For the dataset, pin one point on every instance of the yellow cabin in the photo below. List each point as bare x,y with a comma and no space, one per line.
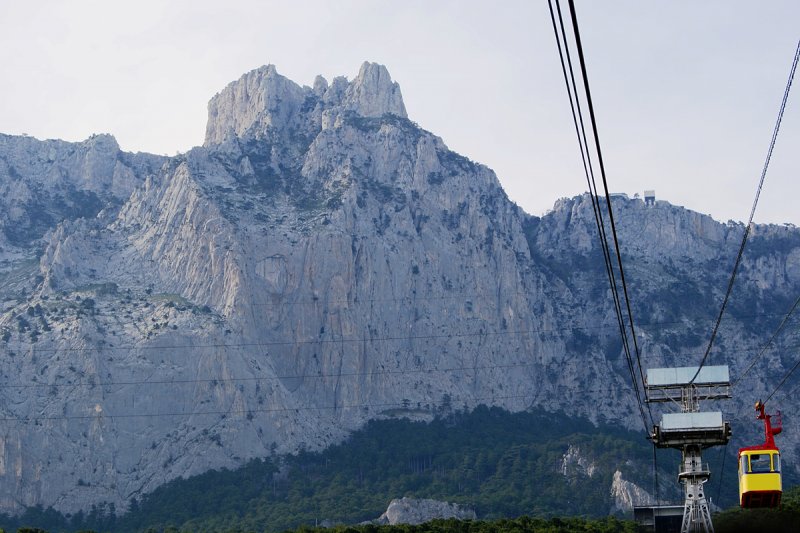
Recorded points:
759,478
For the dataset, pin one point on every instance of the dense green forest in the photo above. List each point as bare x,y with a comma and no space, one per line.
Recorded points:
503,465
522,524
514,525
782,520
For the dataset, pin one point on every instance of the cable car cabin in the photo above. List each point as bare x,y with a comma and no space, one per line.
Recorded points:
760,467
759,478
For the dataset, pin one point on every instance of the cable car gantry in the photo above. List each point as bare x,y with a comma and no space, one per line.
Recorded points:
691,430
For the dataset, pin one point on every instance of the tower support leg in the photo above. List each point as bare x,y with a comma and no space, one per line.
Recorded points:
696,514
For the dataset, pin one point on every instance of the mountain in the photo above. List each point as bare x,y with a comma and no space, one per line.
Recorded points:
322,261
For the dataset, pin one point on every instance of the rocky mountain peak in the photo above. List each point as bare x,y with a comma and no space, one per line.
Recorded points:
373,93
103,142
320,86
263,100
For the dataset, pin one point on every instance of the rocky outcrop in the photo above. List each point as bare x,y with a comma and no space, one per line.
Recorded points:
263,100
45,182
259,100
322,261
626,494
373,93
573,461
413,511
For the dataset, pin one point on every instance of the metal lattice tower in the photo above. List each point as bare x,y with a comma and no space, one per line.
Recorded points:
691,430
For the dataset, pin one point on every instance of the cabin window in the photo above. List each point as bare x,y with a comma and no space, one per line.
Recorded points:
759,463
776,462
743,464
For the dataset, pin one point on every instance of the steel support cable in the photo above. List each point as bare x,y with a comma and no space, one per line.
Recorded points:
310,375
752,212
319,375
768,343
598,214
721,473
577,117
656,492
605,187
421,336
242,411
785,377
285,377
590,179
610,388
582,138
580,131
114,313
353,303
790,394
583,143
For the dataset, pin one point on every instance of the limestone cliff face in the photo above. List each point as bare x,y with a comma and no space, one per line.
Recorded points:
625,495
44,182
321,261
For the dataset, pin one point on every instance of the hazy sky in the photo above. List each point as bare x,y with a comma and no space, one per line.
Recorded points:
686,92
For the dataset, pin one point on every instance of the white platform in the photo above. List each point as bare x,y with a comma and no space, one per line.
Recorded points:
680,376
708,420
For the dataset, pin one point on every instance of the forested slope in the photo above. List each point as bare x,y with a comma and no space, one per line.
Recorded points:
499,463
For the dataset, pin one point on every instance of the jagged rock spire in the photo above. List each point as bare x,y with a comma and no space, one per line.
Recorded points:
373,93
263,99
260,98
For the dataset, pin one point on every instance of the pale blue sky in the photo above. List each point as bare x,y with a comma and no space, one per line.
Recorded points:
686,92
